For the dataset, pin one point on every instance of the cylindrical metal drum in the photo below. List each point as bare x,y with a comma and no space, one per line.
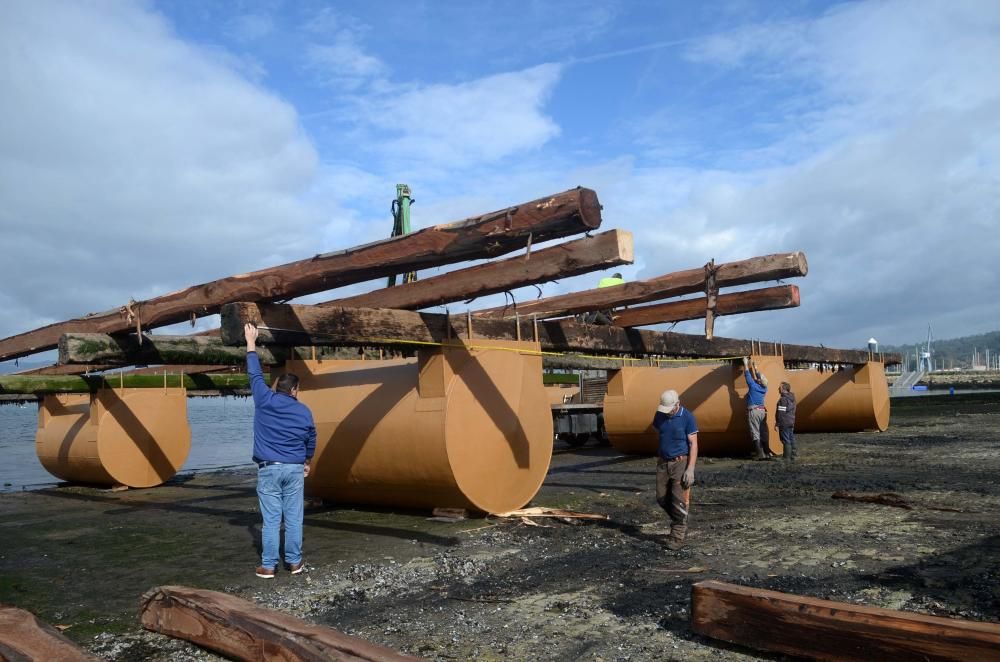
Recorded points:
137,437
453,428
715,394
849,400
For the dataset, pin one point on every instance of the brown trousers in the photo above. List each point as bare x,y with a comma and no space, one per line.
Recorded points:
671,495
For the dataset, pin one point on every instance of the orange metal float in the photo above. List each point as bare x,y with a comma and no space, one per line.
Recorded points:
455,427
849,400
715,394
137,437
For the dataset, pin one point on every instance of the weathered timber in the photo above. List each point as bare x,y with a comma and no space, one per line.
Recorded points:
241,630
730,274
24,637
767,298
77,369
289,324
89,348
572,258
180,352
234,383
119,351
827,630
567,213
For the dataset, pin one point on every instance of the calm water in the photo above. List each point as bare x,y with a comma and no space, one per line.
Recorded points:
221,436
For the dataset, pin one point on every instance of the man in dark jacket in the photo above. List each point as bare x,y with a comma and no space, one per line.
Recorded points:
284,440
786,420
678,455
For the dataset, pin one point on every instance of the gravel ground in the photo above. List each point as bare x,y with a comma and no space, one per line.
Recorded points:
542,589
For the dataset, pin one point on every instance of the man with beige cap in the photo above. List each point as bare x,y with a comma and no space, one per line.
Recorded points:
678,455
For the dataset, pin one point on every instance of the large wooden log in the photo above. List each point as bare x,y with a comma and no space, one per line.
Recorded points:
241,630
572,258
767,298
730,274
24,637
226,383
567,213
119,351
827,630
289,324
92,348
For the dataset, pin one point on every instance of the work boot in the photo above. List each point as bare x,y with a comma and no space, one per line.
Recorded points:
296,568
676,539
265,573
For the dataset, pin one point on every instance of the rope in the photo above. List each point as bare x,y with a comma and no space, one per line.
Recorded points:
516,350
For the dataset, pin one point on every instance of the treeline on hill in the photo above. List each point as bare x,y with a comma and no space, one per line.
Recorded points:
954,352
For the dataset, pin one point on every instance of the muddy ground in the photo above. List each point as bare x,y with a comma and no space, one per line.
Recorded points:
501,589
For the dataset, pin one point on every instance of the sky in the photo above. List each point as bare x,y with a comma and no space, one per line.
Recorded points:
149,146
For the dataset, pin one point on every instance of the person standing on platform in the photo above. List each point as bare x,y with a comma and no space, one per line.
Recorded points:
756,410
785,421
284,440
677,456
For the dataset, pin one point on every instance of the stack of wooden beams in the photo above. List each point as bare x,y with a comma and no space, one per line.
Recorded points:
388,317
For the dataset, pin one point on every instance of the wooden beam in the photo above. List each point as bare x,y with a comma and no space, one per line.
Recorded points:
567,213
767,298
242,630
572,258
730,274
827,630
180,351
41,384
24,637
58,369
119,351
288,324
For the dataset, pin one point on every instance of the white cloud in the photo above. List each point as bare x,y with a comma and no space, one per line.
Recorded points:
132,164
892,182
467,123
342,63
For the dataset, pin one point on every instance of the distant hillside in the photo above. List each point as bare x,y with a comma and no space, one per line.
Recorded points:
956,352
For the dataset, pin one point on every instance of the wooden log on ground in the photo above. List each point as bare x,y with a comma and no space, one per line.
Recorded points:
767,298
226,383
572,258
679,283
24,637
827,630
567,213
242,630
289,324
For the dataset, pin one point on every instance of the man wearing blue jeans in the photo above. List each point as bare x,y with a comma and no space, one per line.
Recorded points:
284,440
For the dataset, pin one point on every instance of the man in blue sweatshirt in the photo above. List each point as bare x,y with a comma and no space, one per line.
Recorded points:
756,411
678,454
284,440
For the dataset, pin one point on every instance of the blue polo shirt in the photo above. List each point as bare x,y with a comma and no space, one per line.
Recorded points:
674,431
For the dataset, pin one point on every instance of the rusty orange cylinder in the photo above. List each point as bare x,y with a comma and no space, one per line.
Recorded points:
715,394
136,437
850,400
455,427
